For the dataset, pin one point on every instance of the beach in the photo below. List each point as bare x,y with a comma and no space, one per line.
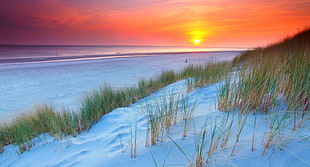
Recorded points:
29,80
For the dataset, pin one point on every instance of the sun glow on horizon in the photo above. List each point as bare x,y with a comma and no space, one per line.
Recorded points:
197,36
197,41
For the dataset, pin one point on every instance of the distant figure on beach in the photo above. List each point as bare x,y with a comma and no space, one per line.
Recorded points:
186,61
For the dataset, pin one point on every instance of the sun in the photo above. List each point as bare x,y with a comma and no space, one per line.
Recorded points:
197,36
196,41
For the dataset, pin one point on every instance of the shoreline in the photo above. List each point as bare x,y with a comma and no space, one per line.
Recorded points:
22,60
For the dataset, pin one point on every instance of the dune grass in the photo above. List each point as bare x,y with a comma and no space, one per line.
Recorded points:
199,147
46,120
187,112
206,74
166,111
281,69
277,75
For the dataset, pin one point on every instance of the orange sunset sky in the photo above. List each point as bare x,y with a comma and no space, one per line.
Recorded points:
209,23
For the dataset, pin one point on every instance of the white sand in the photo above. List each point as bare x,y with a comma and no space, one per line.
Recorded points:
102,145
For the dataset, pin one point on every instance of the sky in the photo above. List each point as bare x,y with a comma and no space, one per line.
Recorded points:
206,23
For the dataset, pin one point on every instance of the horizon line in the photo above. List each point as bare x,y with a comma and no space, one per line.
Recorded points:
86,45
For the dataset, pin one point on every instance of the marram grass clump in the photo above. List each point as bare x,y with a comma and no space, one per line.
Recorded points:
275,81
45,120
280,70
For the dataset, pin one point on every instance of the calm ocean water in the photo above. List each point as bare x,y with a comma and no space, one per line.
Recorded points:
38,53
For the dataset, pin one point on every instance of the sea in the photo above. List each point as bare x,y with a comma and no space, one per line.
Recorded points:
52,53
